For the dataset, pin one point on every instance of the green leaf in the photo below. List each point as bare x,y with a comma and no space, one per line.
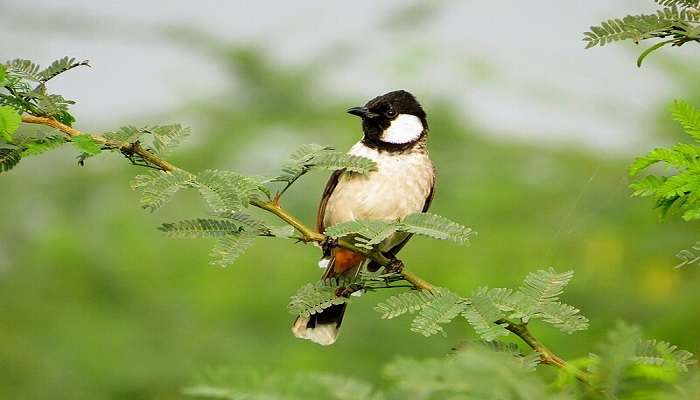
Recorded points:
442,310
371,232
166,138
227,191
540,289
53,104
691,214
39,146
564,317
436,227
159,187
3,75
60,66
9,157
24,69
545,286
678,3
313,298
86,144
332,161
248,221
198,228
299,162
653,352
407,303
313,156
648,186
10,121
230,247
65,118
482,314
680,156
472,373
125,135
687,116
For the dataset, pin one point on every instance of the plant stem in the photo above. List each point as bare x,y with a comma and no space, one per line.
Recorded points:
310,235
130,148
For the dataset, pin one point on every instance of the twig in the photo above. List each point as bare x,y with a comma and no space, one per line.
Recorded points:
130,148
309,235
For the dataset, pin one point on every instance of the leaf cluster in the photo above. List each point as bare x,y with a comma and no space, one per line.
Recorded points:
23,89
678,22
369,233
628,367
489,311
679,189
313,156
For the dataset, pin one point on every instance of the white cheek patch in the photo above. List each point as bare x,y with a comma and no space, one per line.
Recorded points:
404,129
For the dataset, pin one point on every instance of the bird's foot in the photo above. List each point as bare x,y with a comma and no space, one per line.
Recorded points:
394,267
328,244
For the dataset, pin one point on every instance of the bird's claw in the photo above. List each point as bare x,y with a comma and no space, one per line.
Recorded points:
394,267
328,244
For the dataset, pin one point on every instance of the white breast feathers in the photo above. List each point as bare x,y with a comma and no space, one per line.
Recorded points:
399,186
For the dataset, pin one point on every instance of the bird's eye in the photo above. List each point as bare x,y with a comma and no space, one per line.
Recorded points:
390,112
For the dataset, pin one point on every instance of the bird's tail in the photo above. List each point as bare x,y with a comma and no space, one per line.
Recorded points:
322,328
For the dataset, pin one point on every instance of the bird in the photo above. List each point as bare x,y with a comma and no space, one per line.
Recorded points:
395,130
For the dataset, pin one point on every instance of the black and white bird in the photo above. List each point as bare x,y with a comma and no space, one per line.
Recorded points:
395,133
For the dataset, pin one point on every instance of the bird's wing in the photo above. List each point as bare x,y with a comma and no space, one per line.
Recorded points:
429,200
330,186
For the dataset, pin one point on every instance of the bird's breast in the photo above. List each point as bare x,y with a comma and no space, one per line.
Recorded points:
398,187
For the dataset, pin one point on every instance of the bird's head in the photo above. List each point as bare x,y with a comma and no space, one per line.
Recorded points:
393,121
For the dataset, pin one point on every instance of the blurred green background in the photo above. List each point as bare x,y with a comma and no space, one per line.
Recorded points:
96,304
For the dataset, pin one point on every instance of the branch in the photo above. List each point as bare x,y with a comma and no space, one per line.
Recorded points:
309,235
127,149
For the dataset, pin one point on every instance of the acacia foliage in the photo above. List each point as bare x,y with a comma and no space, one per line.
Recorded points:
677,22
678,187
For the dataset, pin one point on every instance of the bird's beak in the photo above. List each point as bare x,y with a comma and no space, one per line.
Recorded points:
363,112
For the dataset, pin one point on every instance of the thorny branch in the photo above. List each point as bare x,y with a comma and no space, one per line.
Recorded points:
309,235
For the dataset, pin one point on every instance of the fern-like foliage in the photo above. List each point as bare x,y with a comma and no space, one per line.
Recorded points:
9,158
313,298
485,316
474,372
24,69
230,384
230,247
490,311
680,191
660,353
60,66
39,146
369,233
313,156
167,137
677,23
528,361
157,188
331,160
124,135
442,310
434,308
227,191
198,228
679,3
407,303
435,226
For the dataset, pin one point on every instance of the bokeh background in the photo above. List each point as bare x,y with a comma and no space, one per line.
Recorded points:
530,132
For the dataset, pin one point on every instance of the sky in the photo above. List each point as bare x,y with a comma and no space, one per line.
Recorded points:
517,68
